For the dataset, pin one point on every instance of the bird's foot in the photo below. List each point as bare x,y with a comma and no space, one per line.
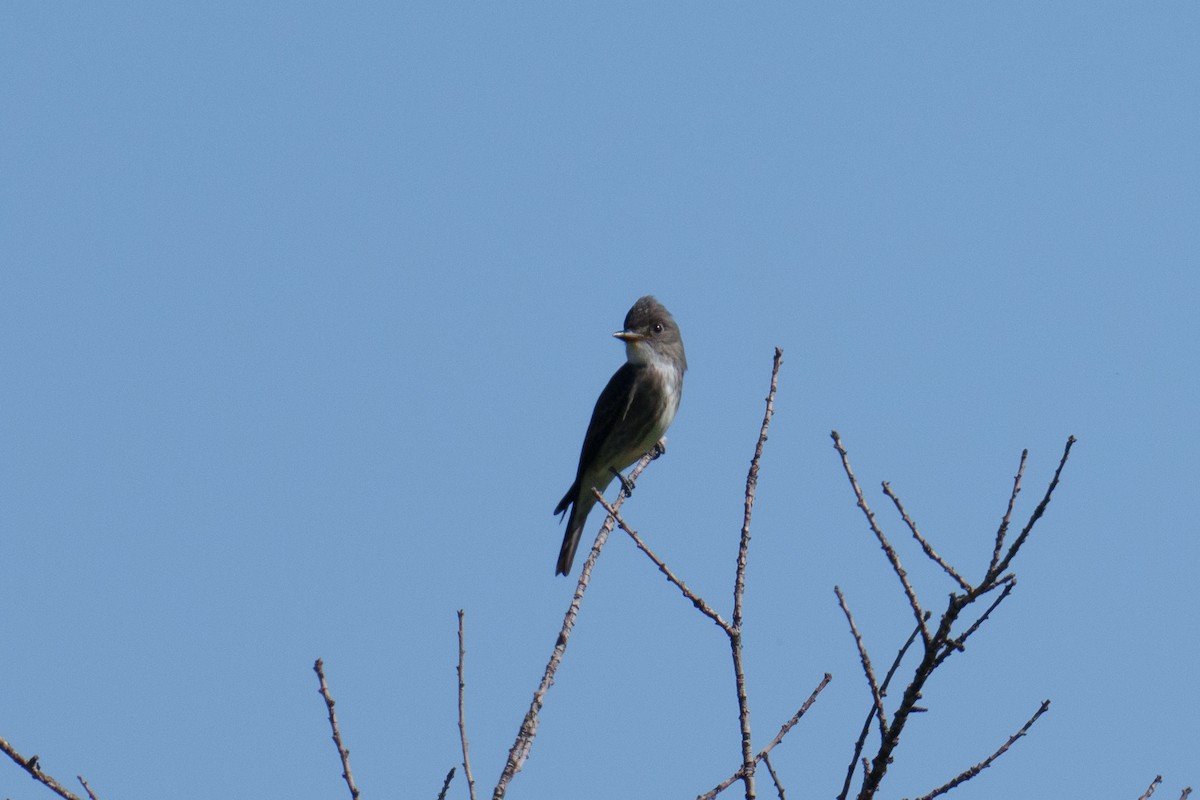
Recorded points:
659,449
626,484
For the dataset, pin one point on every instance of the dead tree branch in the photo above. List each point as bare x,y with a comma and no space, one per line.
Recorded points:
732,630
519,752
1007,519
697,601
967,774
928,548
888,550
1002,566
774,777
33,767
462,714
783,731
940,643
86,788
876,693
446,784
866,727
343,753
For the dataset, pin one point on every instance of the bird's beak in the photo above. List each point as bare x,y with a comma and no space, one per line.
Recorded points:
629,336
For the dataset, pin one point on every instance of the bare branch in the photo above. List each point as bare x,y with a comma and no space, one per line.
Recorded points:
883,542
866,727
787,726
791,723
343,753
87,788
32,766
697,601
887,680
774,777
912,694
462,715
446,784
722,786
959,643
938,643
966,775
1037,513
1004,523
521,747
739,586
1154,784
876,695
1150,789
928,548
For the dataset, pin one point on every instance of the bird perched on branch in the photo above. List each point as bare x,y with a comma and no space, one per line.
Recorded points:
633,412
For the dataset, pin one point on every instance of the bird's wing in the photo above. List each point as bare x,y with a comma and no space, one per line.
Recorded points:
611,407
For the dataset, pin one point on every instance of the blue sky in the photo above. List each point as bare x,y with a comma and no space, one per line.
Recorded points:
304,308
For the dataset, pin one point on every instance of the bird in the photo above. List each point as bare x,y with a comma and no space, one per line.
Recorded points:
631,415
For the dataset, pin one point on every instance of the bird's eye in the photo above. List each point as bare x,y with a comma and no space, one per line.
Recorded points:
657,327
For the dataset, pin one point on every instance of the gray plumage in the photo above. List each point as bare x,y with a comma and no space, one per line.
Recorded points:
633,412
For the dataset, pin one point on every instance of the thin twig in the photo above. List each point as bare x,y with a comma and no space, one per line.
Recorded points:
446,784
939,644
791,723
783,731
908,702
1002,565
959,642
1004,523
876,695
774,777
966,775
866,727
912,694
343,753
519,752
1184,795
739,586
462,714
697,601
87,788
887,679
31,765
883,542
1150,789
928,548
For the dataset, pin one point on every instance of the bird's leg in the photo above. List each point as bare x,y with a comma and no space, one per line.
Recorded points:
660,447
626,484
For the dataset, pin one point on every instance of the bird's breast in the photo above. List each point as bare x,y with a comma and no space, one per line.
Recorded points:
672,383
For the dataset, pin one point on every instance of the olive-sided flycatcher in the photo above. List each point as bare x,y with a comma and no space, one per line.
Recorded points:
633,412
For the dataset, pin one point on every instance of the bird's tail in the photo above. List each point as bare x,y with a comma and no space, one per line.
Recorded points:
581,505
